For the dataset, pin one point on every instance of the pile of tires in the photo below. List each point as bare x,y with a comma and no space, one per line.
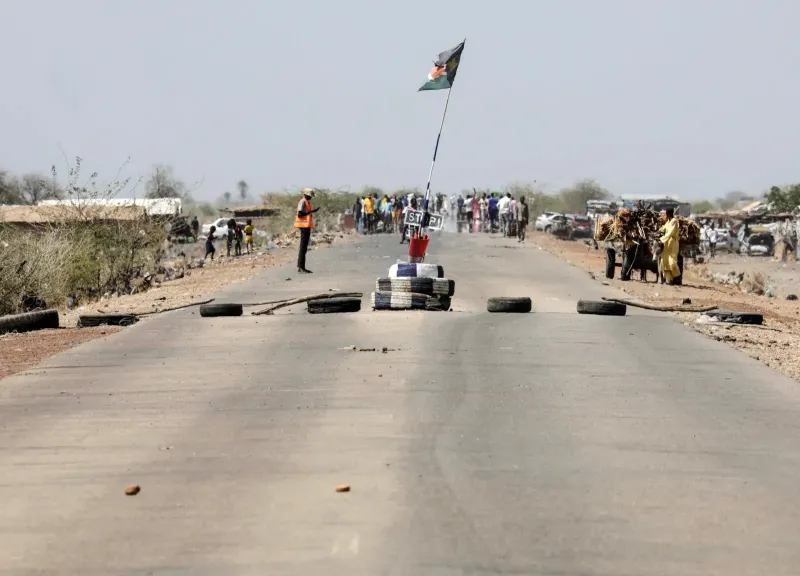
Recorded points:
414,286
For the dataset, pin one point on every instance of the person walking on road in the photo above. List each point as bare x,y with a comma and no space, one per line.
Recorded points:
522,219
504,207
369,213
493,212
670,241
304,221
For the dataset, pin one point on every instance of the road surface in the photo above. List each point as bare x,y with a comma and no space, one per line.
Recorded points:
539,444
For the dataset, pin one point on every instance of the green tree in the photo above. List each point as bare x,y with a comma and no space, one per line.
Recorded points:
785,199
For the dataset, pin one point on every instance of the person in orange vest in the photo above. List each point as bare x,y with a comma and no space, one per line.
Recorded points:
305,222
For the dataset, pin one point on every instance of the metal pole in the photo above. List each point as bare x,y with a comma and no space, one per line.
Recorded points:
433,163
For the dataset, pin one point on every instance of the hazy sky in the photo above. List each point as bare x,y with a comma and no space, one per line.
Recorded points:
685,97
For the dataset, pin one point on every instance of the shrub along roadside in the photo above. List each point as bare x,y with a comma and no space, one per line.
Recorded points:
82,259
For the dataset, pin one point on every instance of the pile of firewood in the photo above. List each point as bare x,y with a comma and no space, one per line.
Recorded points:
604,229
641,226
688,231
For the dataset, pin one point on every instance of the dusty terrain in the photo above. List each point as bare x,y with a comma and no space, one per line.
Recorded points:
19,352
775,343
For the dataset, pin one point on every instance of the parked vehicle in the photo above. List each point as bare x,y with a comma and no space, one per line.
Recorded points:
582,226
543,223
222,227
759,244
561,226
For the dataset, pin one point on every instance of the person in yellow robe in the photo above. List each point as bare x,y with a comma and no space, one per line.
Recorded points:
670,242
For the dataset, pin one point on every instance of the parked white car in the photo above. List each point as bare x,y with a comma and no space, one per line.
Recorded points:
544,222
222,227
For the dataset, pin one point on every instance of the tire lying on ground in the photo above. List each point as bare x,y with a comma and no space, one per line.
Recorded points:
430,286
89,320
400,301
520,305
334,305
601,308
736,317
438,303
29,321
220,309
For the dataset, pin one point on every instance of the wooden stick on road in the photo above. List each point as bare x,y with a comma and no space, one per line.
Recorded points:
324,296
660,308
171,309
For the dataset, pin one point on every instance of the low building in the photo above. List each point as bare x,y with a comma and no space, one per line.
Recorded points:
49,215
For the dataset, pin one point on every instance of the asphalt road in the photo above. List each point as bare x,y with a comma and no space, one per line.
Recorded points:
546,443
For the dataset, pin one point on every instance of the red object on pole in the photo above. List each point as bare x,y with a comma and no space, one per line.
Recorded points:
417,247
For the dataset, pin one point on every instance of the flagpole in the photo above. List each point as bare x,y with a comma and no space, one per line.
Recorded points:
435,152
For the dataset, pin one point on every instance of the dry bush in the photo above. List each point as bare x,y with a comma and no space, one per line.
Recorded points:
85,249
37,266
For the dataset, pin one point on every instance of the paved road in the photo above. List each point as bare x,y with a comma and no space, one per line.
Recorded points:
547,443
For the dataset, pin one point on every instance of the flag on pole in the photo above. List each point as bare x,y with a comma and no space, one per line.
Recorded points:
444,70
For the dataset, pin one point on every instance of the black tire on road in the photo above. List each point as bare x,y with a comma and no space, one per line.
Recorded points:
611,263
334,305
601,308
220,309
29,321
519,305
89,320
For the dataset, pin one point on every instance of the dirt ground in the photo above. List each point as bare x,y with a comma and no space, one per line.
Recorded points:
19,352
775,343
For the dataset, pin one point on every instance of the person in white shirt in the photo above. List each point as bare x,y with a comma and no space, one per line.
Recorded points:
712,241
504,207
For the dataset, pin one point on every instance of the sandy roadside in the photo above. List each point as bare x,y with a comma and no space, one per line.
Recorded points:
775,343
19,352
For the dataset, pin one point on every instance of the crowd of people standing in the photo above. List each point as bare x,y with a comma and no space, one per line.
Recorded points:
493,212
374,214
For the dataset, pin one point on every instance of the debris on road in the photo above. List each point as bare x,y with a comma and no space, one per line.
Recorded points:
659,308
353,348
343,488
736,317
294,301
173,308
133,490
91,320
